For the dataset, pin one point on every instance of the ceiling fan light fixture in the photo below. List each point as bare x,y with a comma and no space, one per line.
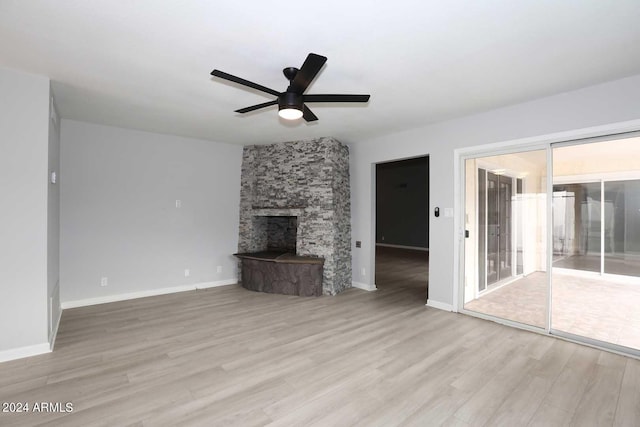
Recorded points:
290,106
290,113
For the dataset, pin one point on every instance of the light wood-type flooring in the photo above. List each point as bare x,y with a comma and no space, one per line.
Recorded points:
230,357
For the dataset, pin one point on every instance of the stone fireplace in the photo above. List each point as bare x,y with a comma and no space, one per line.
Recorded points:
295,198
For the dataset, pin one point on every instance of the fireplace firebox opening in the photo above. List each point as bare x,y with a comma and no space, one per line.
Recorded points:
278,233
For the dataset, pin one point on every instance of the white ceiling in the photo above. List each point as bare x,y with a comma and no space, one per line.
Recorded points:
145,64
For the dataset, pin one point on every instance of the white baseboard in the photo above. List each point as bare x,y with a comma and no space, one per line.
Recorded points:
143,294
439,305
54,334
415,248
20,352
364,286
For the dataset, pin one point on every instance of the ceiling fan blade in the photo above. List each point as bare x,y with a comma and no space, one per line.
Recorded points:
308,115
336,98
231,78
257,107
307,73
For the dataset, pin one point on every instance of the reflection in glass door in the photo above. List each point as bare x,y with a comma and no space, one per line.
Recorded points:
498,227
622,228
577,226
596,242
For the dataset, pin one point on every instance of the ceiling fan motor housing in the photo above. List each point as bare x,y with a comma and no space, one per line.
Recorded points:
290,73
290,100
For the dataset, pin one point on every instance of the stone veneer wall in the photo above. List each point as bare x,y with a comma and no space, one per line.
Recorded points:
307,179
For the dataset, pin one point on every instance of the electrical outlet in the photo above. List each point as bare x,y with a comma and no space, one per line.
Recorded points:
363,272
178,204
219,269
186,272
104,281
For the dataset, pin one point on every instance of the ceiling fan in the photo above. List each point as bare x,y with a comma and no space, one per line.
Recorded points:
291,103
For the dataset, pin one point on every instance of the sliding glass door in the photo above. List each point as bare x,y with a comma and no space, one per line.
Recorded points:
558,253
596,242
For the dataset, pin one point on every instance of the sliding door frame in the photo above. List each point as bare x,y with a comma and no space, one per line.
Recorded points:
546,142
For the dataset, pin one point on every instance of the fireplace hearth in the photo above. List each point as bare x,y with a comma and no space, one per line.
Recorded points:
281,273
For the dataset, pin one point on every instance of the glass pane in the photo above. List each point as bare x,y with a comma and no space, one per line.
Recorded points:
597,224
505,251
576,226
622,228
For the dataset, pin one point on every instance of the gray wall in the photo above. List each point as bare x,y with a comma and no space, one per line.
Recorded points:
402,203
606,107
24,118
118,211
53,222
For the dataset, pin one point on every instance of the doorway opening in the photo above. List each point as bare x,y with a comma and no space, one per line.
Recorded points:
402,226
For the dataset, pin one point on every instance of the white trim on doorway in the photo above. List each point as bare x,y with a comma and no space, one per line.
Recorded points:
439,305
364,286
